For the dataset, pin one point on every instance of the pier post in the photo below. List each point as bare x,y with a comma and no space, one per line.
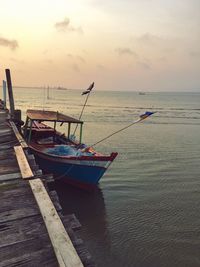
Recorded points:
10,93
4,93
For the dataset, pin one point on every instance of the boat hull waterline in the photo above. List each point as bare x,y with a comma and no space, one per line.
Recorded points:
84,172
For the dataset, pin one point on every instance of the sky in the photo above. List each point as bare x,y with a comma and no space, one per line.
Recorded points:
138,45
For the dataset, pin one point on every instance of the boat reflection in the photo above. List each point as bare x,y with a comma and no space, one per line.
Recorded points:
89,208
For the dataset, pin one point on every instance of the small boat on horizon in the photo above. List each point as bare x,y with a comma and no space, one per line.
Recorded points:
69,160
61,88
142,93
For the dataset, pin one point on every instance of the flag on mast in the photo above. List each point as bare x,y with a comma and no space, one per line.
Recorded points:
146,114
88,90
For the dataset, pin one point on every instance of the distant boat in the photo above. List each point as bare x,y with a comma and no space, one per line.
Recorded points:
69,160
61,88
142,93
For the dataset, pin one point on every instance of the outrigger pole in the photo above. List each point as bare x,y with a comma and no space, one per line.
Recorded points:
142,117
86,92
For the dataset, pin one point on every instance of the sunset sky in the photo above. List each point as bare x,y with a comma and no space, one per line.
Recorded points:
139,45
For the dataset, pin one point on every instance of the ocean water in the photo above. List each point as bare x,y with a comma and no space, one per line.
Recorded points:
146,212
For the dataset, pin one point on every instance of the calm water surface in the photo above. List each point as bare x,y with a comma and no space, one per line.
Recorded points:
146,212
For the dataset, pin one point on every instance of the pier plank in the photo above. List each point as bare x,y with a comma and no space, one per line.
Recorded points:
41,257
10,176
18,135
8,139
11,161
5,131
4,156
64,250
71,221
23,163
8,169
7,146
25,228
16,202
7,152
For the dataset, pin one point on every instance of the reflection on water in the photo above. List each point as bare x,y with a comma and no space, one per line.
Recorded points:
90,210
86,205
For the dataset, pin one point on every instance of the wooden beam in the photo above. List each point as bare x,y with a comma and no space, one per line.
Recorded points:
4,93
10,92
23,163
18,135
63,247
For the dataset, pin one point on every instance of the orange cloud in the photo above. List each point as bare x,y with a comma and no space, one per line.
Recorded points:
125,51
12,44
64,26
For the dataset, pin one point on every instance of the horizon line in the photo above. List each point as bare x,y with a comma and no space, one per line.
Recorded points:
79,89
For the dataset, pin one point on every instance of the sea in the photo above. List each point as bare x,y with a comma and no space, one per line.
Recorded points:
146,210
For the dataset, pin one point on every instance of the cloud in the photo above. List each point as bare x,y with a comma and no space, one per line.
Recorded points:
125,51
12,44
65,26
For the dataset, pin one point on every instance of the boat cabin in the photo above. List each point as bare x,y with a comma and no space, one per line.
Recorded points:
35,128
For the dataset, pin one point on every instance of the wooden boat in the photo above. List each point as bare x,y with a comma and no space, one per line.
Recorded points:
72,161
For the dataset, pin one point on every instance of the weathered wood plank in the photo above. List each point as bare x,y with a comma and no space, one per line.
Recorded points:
71,221
8,138
17,201
38,172
4,156
6,146
29,252
16,212
29,156
10,176
47,179
26,228
3,125
23,163
18,135
5,131
8,169
6,152
3,118
63,247
8,161
54,198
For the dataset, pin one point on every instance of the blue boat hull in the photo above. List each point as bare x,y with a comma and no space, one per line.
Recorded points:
83,176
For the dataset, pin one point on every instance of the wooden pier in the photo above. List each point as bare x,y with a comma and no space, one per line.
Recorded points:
33,231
